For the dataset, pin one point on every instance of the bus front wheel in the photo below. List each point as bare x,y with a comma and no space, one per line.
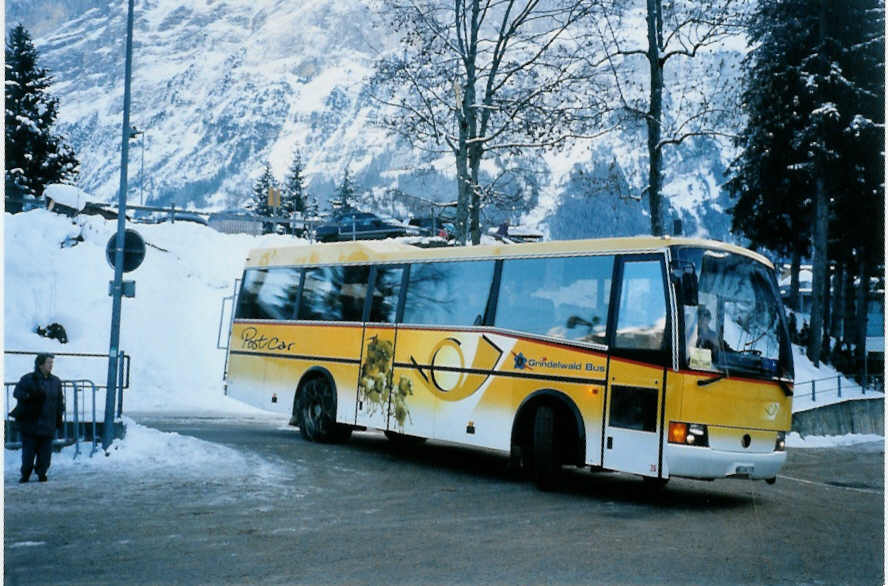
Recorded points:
546,466
317,410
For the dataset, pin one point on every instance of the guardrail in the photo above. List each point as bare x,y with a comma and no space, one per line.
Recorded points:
834,385
71,434
123,375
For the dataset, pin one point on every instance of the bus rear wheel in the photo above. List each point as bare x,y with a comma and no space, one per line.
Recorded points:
546,463
317,413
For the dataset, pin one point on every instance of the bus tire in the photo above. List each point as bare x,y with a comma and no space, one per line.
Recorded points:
546,465
317,413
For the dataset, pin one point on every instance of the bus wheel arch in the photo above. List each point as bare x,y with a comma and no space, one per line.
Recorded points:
315,405
567,424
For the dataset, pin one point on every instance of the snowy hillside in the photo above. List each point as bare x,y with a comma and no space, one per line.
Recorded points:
221,87
169,328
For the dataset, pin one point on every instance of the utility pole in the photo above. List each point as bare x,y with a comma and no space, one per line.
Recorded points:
117,288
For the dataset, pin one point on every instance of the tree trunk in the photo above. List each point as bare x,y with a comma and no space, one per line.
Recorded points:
795,269
819,280
462,201
838,302
820,231
475,165
848,329
468,130
861,307
655,114
827,301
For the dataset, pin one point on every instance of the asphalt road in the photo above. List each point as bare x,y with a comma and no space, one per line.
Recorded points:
366,512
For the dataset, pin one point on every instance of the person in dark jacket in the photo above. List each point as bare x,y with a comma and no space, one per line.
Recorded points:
41,406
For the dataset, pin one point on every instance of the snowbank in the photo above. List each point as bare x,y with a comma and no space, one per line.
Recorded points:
169,328
826,386
67,195
794,440
152,454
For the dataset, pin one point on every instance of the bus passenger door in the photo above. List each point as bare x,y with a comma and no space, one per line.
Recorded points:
376,384
640,351
375,376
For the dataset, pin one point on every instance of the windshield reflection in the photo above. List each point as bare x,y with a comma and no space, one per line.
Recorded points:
738,323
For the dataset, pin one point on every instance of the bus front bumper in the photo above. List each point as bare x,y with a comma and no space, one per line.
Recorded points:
706,463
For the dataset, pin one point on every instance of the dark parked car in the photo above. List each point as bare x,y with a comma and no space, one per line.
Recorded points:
360,226
434,227
177,216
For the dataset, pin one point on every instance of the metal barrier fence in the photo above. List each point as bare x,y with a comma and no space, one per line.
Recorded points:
834,385
123,375
71,434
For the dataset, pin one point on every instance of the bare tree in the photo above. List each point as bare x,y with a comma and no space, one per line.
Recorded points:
482,76
677,30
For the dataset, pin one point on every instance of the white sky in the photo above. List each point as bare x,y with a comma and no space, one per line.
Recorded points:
169,329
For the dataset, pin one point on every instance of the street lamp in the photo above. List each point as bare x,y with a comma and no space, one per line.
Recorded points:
117,286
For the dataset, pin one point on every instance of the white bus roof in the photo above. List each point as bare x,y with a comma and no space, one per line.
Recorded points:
393,251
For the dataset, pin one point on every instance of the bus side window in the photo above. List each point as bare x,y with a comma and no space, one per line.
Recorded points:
386,290
318,301
452,293
352,290
641,323
269,294
559,297
334,293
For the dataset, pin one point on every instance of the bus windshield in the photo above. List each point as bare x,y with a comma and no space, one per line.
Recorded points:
737,325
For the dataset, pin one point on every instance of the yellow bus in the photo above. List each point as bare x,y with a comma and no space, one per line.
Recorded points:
659,357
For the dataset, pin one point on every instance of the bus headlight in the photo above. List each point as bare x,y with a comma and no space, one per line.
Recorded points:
689,434
780,445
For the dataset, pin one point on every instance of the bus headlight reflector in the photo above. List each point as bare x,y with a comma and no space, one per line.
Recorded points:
678,432
690,434
780,446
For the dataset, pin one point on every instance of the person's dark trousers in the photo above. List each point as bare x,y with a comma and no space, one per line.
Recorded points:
39,446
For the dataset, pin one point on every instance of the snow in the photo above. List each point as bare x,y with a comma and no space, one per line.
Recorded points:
794,440
169,329
67,195
152,453
826,386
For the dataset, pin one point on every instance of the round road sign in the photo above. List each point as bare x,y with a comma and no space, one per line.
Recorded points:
133,250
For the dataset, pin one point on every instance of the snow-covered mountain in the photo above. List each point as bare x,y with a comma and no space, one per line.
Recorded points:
222,86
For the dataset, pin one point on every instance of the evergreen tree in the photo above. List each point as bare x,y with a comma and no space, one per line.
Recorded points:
35,156
293,192
773,207
813,147
346,192
258,201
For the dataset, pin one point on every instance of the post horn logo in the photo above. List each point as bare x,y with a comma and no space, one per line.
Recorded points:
447,375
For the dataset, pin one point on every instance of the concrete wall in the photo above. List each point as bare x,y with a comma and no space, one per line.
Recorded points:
863,416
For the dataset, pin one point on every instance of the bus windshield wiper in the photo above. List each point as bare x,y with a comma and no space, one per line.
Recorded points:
785,386
715,379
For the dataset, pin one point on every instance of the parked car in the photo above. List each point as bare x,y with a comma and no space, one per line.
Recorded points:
429,226
177,216
360,226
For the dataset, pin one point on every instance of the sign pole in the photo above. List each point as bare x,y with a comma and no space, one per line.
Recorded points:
114,345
